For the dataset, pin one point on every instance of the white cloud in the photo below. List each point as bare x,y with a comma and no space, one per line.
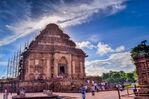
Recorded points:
118,59
103,49
120,48
85,44
65,15
116,62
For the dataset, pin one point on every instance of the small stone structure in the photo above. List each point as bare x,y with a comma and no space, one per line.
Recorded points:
142,67
140,55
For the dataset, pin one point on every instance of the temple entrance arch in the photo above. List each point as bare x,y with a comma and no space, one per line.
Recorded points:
63,67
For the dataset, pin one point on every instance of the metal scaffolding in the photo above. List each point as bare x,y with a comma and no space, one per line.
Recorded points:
15,64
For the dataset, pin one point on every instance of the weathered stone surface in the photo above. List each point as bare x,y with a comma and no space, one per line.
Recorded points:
36,97
52,54
141,97
51,61
142,68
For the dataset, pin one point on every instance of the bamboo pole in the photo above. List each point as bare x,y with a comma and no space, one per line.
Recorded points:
8,68
13,66
16,65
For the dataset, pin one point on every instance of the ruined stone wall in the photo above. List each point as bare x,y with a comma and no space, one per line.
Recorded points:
38,65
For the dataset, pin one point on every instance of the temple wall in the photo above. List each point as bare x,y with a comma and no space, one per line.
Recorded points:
78,66
48,71
45,56
142,67
57,58
38,64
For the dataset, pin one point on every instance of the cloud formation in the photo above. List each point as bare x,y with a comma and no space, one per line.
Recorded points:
101,48
115,62
63,13
120,49
85,44
118,59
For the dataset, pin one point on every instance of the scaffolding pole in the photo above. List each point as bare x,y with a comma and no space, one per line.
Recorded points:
17,61
8,68
13,66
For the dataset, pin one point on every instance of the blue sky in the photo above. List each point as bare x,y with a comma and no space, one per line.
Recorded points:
105,29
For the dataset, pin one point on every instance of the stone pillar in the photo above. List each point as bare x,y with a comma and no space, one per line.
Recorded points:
73,64
55,66
69,65
73,68
142,68
81,68
52,64
48,74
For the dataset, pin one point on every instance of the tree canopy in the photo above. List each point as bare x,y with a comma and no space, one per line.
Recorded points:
119,77
140,50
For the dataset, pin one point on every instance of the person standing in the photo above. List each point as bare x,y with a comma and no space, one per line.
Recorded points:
5,94
134,87
83,91
93,90
22,92
85,87
18,92
103,86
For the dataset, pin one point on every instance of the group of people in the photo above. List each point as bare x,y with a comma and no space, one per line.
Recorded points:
93,87
100,86
20,92
83,90
90,86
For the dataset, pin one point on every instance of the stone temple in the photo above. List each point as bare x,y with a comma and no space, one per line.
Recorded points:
52,54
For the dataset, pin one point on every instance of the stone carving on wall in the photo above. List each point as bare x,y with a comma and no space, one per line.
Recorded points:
51,54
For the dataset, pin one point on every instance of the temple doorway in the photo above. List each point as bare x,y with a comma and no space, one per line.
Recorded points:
62,67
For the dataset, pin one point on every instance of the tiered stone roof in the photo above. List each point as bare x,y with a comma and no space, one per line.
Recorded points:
53,39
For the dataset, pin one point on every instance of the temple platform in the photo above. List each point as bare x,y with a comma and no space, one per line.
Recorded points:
141,97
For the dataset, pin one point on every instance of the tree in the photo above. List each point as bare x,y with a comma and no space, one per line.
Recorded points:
130,77
140,50
118,77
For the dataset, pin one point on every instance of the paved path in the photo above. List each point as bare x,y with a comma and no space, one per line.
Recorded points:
99,95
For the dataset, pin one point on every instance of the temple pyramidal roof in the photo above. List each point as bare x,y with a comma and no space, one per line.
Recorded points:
52,39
